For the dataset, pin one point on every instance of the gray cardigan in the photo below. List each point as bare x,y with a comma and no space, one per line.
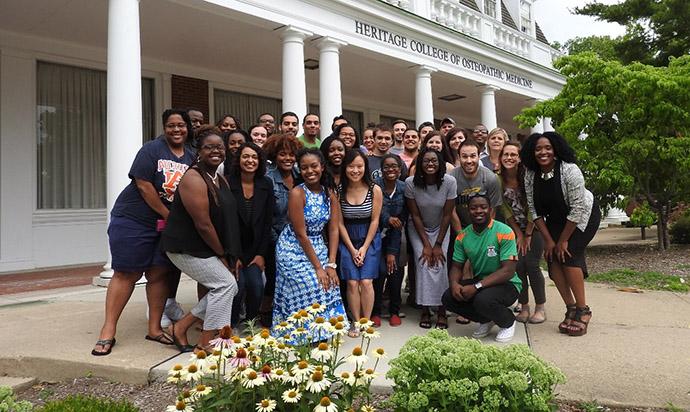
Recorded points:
578,199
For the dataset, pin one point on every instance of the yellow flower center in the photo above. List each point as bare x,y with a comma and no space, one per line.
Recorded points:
320,320
363,321
265,334
279,372
266,369
201,354
241,353
340,318
180,405
332,321
357,351
281,346
178,367
339,326
292,394
325,401
370,331
217,352
249,338
283,324
345,375
323,346
192,368
252,375
380,351
369,371
303,313
315,306
317,376
303,365
200,388
213,367
186,394
236,339
265,403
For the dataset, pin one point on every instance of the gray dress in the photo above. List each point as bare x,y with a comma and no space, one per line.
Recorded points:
432,282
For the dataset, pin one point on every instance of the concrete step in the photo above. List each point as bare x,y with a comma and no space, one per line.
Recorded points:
17,384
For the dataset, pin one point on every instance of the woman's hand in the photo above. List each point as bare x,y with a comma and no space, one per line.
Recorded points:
438,255
390,264
238,267
549,249
561,250
427,256
332,277
361,254
395,223
322,278
520,240
259,261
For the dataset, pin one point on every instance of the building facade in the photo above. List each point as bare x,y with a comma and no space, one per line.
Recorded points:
83,83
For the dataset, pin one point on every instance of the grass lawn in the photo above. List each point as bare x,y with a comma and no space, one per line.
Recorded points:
642,280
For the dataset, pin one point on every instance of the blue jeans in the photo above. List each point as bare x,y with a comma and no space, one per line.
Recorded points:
251,291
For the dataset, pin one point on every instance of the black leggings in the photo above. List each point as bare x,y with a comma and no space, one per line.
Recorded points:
528,268
489,304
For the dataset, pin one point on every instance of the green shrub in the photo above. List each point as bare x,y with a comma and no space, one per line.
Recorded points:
9,404
81,403
444,373
680,230
642,217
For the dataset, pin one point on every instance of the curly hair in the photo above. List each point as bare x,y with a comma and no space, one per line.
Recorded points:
236,170
418,179
561,150
277,143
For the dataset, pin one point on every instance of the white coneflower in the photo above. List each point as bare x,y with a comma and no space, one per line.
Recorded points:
380,353
260,338
200,359
316,308
371,333
200,390
322,353
357,357
348,378
174,378
339,329
302,368
320,325
176,373
325,405
364,324
282,375
367,408
266,405
252,379
179,406
369,375
317,382
291,396
193,373
283,348
282,327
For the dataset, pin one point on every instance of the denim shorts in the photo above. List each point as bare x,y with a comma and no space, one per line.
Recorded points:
134,247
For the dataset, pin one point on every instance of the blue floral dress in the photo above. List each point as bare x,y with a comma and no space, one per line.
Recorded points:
296,284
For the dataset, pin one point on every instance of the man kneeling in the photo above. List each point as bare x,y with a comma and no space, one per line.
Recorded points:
492,252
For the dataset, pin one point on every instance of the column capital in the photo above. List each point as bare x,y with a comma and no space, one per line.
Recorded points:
423,70
327,43
292,33
488,88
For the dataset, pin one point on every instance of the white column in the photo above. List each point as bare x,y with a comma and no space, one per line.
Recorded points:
294,85
489,106
539,127
547,125
424,100
124,98
330,97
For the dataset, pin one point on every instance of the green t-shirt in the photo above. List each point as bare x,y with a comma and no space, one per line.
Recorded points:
315,145
486,250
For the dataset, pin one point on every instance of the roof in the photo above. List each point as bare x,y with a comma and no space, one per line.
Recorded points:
506,18
471,4
540,34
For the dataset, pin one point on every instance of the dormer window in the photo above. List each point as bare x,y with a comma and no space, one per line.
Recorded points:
526,17
490,8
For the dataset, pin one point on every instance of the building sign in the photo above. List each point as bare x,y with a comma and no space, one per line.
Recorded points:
442,55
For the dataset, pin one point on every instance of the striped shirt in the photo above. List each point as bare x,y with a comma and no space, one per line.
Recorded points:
361,211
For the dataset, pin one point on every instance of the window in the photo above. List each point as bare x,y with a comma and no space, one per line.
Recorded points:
526,17
490,8
71,135
388,120
245,107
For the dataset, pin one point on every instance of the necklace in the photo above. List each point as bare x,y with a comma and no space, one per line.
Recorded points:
214,178
547,175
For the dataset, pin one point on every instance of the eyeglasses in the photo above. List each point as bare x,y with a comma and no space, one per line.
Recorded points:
430,161
213,147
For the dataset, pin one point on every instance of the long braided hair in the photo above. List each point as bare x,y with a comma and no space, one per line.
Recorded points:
202,134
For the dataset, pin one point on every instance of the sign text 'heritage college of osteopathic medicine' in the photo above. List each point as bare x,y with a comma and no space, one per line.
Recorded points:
443,55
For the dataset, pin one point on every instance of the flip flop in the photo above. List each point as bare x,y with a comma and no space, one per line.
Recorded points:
163,339
182,348
425,321
462,320
104,342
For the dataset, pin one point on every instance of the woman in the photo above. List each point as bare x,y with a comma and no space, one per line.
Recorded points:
305,266
258,135
368,139
360,246
430,195
281,150
454,138
424,129
201,241
348,135
235,139
567,215
228,123
434,141
333,150
529,242
494,143
136,222
393,218
253,193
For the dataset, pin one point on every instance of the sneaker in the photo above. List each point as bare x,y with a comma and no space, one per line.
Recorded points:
506,334
483,330
376,320
165,321
173,311
395,320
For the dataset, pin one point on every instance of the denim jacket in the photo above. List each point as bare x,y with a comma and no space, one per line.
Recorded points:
280,192
393,206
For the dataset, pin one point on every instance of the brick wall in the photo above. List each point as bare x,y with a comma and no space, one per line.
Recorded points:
188,93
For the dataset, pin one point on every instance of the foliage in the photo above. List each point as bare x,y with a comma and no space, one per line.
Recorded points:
642,280
656,30
680,230
285,373
444,373
642,217
629,126
603,46
82,403
9,404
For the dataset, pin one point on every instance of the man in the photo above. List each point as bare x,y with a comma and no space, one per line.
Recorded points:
480,133
410,147
472,179
383,140
268,122
491,249
312,128
337,121
289,123
446,124
196,117
399,127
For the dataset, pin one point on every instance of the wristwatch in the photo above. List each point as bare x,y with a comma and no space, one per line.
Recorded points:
331,265
478,285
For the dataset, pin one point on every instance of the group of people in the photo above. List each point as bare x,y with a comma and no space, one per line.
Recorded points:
268,222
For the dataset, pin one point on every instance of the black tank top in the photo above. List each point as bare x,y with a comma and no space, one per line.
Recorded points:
181,236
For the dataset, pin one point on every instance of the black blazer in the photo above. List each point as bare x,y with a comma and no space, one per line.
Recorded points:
262,216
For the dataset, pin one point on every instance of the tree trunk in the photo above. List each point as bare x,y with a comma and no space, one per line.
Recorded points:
663,239
644,234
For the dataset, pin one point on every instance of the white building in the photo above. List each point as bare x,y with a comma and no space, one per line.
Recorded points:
78,77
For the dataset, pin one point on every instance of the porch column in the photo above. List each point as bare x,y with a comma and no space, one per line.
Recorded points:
547,125
539,127
294,85
424,100
330,98
124,98
489,106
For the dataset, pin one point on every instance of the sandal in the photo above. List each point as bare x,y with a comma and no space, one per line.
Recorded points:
103,343
462,320
578,326
569,315
163,339
539,316
425,321
353,332
442,322
182,348
523,316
